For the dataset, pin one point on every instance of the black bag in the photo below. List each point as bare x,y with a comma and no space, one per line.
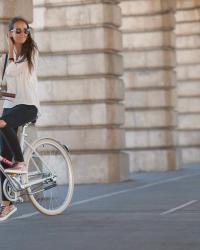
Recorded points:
3,87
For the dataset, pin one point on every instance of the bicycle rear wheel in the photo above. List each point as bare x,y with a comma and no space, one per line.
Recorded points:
49,162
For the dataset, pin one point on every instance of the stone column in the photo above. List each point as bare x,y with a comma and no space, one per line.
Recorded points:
149,77
188,75
80,87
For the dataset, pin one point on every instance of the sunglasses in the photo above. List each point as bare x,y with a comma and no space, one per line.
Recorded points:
19,31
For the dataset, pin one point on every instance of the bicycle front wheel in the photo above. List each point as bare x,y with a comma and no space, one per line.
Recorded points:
50,176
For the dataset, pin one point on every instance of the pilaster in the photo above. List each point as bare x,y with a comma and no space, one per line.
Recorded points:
188,76
149,77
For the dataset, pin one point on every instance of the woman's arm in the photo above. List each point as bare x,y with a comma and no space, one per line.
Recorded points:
10,42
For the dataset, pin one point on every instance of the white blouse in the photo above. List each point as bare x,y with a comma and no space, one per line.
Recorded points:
21,82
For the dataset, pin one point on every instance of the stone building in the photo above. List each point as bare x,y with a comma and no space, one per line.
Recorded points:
119,81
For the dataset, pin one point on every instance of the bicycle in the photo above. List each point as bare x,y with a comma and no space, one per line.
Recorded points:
49,183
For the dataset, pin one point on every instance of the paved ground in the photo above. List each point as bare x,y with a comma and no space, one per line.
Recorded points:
151,211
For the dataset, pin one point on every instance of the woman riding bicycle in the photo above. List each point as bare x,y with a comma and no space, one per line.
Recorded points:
21,80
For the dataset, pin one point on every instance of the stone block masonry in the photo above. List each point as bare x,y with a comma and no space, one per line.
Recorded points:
80,87
149,77
188,75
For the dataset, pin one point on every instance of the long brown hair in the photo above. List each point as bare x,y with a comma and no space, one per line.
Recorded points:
29,47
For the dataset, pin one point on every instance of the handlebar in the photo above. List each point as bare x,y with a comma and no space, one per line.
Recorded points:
6,94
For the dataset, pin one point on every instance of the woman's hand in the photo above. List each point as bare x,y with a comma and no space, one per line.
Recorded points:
10,42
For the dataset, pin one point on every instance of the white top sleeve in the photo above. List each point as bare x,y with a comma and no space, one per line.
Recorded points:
22,82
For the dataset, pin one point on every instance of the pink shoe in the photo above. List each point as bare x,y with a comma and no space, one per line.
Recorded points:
19,168
7,211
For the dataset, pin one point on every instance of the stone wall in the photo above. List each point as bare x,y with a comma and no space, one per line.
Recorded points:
80,87
188,78
149,77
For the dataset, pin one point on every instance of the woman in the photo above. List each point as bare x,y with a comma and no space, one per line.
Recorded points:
21,79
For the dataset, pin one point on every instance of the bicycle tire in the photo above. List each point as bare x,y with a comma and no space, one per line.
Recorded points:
30,156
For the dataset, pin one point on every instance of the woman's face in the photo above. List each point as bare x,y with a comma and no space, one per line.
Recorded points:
20,32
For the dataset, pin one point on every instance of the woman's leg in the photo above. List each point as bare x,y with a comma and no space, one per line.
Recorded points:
11,137
5,148
7,153
16,116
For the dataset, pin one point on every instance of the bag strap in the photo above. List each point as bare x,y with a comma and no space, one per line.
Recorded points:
4,67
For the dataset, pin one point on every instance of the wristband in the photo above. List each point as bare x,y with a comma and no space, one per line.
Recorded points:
11,59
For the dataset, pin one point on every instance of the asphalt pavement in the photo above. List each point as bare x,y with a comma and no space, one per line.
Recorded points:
150,211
